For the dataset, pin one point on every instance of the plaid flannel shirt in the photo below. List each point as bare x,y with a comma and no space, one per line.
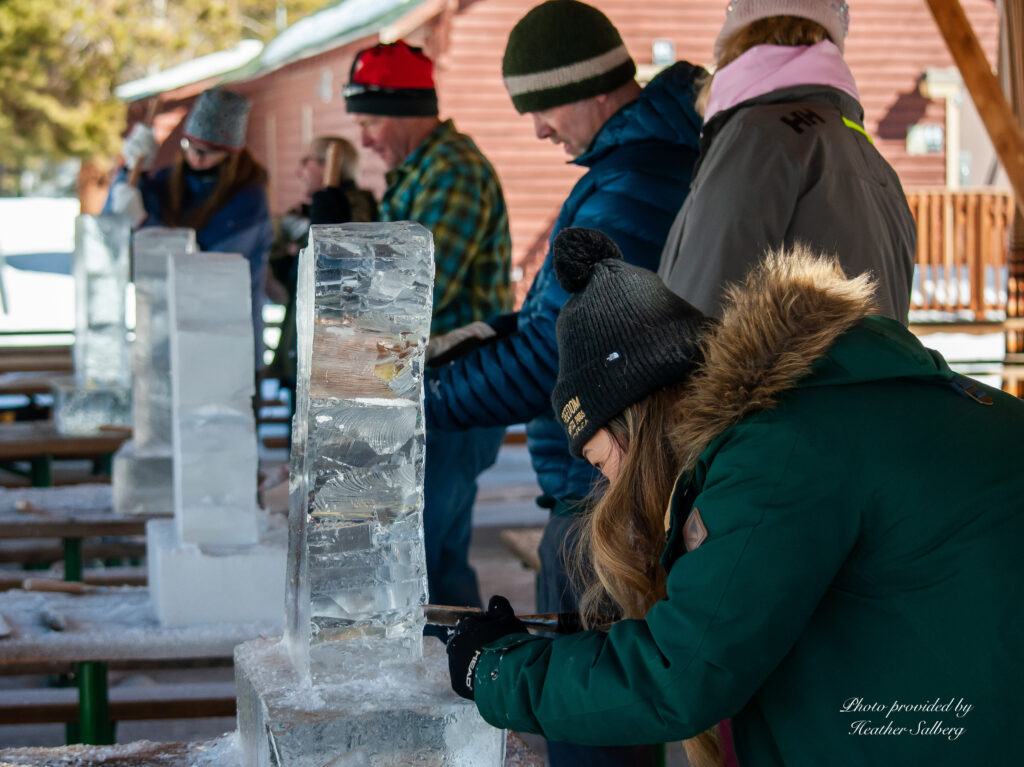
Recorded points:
447,185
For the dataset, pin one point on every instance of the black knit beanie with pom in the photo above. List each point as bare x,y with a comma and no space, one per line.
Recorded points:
621,335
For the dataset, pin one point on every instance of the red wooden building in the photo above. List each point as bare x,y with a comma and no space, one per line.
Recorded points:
295,87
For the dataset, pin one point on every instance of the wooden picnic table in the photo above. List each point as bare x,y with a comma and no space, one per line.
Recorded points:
222,751
35,358
31,382
109,628
71,528
39,443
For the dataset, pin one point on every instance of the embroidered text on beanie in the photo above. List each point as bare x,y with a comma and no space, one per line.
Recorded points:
621,335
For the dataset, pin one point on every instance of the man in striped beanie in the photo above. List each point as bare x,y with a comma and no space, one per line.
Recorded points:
566,66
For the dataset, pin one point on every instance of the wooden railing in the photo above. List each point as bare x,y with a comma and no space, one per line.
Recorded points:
961,264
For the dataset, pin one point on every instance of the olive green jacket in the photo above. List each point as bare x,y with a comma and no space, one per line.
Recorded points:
844,543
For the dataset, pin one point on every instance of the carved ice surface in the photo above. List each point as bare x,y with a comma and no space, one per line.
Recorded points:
356,562
213,427
101,276
351,684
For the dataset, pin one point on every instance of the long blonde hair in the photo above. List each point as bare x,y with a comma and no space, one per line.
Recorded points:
238,171
617,562
774,30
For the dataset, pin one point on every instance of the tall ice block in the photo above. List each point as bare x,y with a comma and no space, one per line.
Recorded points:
143,475
356,564
350,684
101,392
213,426
219,559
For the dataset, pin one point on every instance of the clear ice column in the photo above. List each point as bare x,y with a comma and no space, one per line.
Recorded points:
142,467
356,566
101,393
352,683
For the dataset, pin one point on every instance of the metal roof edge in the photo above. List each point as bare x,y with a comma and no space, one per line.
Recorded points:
188,72
326,30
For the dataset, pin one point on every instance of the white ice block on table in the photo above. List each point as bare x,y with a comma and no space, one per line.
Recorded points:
192,584
213,427
215,469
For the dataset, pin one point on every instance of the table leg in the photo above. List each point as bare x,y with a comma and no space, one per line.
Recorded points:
72,559
93,704
42,471
659,755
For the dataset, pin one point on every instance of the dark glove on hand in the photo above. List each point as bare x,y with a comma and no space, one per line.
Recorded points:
330,206
471,634
505,324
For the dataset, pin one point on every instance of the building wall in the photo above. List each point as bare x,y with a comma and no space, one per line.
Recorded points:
891,43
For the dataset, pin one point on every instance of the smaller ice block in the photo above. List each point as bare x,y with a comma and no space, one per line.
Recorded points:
192,584
83,411
402,714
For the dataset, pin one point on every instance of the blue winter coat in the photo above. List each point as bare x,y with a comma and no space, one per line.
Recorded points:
640,164
242,226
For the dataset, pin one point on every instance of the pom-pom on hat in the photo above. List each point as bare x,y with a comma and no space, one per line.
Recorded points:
833,15
563,51
218,118
621,335
392,80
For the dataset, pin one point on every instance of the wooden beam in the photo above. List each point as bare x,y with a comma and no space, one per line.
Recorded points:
1003,128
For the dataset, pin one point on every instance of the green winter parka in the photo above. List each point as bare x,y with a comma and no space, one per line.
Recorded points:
843,555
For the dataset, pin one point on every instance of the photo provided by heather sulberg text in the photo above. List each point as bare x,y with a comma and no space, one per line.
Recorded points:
941,717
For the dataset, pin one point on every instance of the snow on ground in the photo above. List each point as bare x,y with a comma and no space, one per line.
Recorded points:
36,237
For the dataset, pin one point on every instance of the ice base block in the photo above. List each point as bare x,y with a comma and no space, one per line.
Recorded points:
143,482
192,583
383,715
84,411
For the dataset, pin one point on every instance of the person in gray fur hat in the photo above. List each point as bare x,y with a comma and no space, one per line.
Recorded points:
214,186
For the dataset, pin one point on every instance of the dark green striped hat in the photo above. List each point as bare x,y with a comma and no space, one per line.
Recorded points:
563,51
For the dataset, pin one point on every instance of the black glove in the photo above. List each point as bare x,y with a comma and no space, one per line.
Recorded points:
330,206
471,634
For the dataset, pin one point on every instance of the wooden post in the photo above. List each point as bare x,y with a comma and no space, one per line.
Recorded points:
1003,128
332,164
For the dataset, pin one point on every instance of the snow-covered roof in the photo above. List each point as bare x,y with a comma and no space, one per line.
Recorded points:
339,23
194,71
332,27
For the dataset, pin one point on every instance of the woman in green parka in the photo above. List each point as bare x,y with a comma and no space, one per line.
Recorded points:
812,527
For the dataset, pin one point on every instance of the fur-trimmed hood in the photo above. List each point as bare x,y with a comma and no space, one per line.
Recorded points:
787,314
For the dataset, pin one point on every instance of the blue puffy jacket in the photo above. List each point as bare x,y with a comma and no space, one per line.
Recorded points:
640,164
